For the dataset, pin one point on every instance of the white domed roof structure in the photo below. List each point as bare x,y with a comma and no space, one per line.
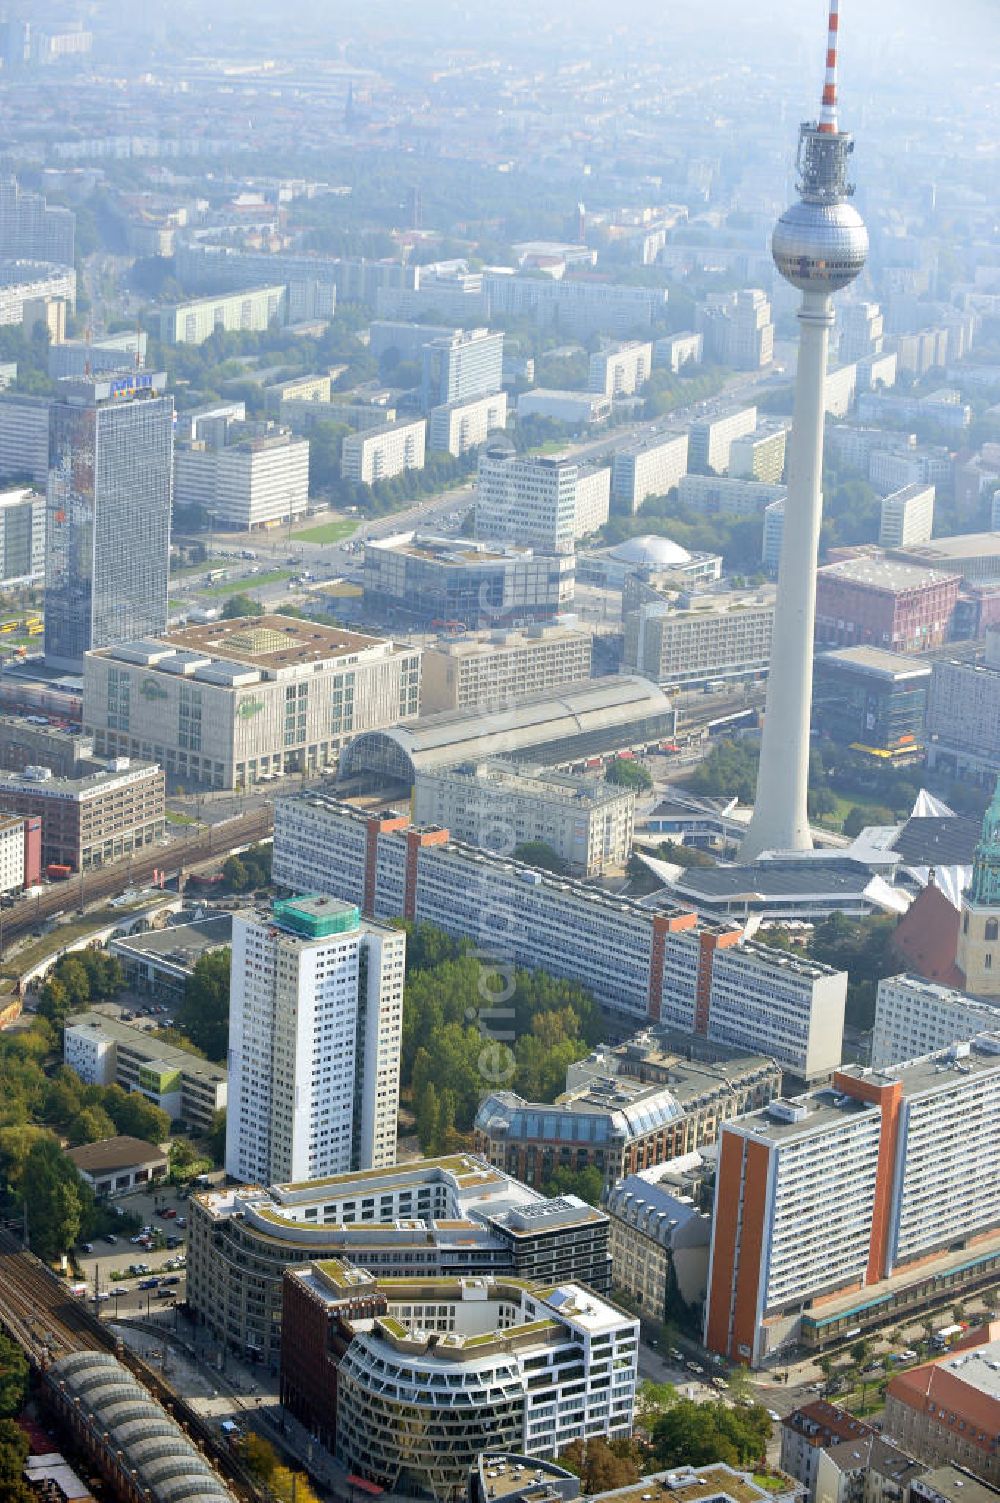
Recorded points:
651,552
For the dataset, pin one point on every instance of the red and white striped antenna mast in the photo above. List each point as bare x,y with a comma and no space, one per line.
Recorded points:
828,114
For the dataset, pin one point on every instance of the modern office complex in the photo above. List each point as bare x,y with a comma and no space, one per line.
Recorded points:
963,715
255,308
234,701
409,1380
759,455
432,1218
104,1052
446,580
94,819
637,962
872,701
108,515
647,469
499,806
570,723
620,369
819,246
258,478
315,1026
710,438
457,427
33,230
881,603
381,453
625,1110
460,366
22,537
718,637
907,516
728,494
821,1200
489,669
914,1017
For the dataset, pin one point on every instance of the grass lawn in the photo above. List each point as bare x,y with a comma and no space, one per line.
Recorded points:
174,817
345,591
327,532
252,582
845,803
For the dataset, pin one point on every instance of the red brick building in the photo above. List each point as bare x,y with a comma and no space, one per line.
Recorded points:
882,603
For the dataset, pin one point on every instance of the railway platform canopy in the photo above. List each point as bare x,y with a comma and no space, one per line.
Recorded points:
565,724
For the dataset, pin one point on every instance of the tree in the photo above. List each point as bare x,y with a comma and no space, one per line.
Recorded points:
13,1377
235,874
258,1456
587,1184
241,605
56,1198
215,1138
134,1116
90,1126
699,1434
654,1399
204,1012
602,1466
54,1002
625,773
540,853
13,1454
859,1351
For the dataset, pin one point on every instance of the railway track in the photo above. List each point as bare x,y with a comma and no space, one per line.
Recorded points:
106,882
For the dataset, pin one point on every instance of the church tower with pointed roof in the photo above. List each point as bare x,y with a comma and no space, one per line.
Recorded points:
978,954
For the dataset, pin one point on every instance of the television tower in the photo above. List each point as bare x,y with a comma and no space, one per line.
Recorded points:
819,245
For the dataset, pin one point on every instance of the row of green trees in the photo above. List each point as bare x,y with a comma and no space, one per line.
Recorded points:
13,1441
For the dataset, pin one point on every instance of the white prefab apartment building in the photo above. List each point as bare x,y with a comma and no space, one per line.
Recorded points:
315,1026
621,369
710,439
723,638
728,494
457,427
822,1198
646,470
501,805
232,702
640,963
383,452
907,516
759,455
256,481
543,503
254,309
489,669
914,1017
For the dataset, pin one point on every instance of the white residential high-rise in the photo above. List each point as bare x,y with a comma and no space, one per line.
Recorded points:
315,1024
907,516
820,246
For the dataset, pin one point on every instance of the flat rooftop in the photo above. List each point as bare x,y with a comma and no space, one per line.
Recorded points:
154,1050
269,641
889,575
875,662
75,788
182,943
693,1485
943,552
820,878
452,552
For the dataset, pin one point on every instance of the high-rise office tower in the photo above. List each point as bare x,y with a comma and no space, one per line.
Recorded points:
461,366
819,245
31,229
108,515
315,1025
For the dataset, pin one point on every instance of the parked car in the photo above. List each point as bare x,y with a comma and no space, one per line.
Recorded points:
111,1239
153,1283
169,1214
171,1280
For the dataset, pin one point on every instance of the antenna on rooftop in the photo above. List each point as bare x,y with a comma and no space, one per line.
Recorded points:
828,114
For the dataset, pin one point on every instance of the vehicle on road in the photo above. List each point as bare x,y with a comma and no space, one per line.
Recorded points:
153,1283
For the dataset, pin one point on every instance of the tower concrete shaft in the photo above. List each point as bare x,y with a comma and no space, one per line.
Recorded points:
819,245
780,818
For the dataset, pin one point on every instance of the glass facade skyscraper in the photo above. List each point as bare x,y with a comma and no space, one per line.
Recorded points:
107,515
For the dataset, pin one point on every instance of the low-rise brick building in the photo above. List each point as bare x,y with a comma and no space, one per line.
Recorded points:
883,603
94,820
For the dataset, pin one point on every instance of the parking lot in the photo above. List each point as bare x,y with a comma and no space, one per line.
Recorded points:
135,1293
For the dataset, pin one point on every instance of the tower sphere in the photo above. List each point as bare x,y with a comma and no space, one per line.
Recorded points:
820,247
